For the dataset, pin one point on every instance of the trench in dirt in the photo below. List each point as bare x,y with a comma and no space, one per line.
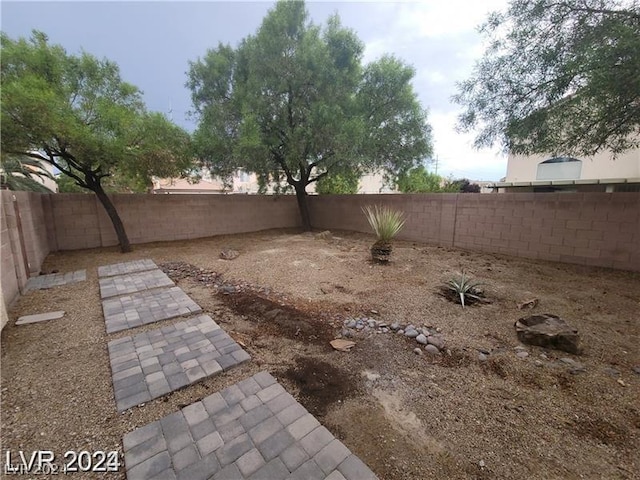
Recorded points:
320,383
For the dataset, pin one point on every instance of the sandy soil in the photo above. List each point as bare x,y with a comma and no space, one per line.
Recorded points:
407,416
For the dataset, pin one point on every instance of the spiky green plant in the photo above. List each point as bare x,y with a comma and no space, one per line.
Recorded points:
385,221
465,288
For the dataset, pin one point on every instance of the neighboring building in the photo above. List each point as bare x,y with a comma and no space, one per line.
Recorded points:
600,173
246,182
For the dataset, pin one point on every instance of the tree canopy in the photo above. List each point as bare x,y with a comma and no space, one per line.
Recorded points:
76,113
294,103
558,76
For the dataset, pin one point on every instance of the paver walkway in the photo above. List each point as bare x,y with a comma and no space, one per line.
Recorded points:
55,280
251,430
151,364
133,282
150,306
126,267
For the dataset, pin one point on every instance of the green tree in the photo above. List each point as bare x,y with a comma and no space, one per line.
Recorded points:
419,180
463,185
294,103
21,173
558,76
339,183
75,113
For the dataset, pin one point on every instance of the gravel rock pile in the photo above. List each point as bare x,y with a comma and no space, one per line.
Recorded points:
428,338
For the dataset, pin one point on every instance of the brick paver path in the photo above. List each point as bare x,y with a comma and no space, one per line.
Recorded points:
133,282
251,430
55,280
154,363
126,267
150,306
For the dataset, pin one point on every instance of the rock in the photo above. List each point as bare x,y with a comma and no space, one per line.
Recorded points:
538,363
636,369
395,326
326,235
484,350
351,323
342,345
359,326
417,351
522,354
421,339
411,333
385,330
372,323
347,333
420,331
228,289
432,349
229,254
611,372
482,357
400,332
520,348
548,331
438,342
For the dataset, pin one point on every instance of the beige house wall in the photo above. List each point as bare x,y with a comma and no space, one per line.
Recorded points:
522,168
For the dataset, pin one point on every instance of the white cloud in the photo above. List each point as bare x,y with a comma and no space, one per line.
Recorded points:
456,155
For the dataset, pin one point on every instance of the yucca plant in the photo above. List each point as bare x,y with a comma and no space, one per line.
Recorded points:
386,223
465,289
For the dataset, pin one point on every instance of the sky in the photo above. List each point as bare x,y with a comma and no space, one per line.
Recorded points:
153,42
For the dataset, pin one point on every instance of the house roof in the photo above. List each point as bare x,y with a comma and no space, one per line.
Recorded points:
546,183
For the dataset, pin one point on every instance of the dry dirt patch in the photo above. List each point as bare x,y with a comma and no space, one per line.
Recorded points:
407,416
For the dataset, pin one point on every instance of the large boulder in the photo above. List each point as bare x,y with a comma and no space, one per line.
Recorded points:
548,331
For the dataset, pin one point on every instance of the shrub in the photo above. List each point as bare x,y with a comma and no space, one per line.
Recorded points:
385,221
465,290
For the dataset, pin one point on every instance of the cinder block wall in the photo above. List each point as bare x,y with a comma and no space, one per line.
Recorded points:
81,221
23,242
600,229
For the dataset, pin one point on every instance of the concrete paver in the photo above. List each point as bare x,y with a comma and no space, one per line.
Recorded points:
141,308
126,267
40,317
133,282
245,440
55,280
154,363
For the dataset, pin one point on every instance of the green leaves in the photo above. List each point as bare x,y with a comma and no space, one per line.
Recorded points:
294,101
557,77
465,289
385,221
75,112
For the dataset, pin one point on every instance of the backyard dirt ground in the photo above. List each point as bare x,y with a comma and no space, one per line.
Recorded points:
407,416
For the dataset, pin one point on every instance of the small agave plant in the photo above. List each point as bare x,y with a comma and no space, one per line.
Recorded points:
465,289
386,223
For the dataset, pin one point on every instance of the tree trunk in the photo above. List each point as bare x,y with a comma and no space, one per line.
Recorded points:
303,206
125,246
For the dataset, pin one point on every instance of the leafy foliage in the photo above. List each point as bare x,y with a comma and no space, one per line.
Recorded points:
21,173
463,185
385,221
339,183
419,180
558,76
293,103
466,290
75,113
